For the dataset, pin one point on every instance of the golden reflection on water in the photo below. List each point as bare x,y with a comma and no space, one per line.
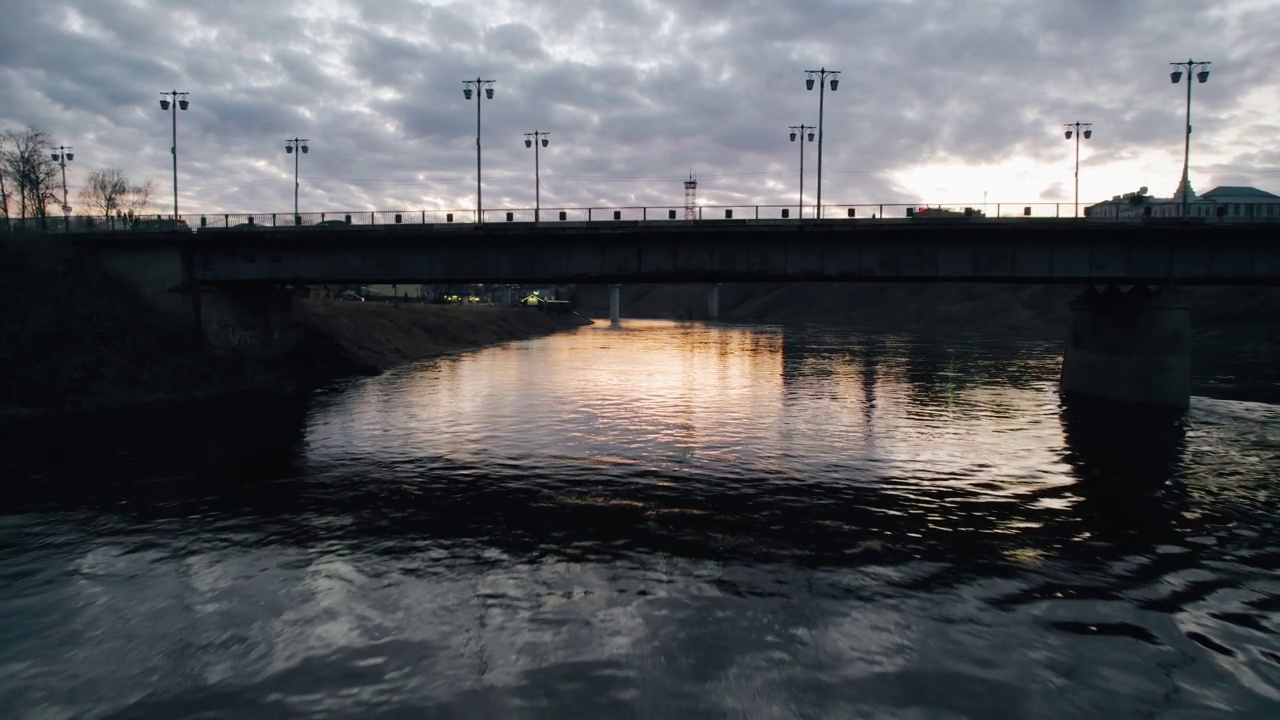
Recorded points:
747,516
679,396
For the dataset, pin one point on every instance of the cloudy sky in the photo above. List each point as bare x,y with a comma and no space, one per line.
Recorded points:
939,100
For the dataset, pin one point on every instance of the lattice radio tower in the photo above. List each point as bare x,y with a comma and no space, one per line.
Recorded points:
691,198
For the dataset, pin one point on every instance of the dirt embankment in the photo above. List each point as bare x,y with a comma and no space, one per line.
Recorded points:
73,337
378,336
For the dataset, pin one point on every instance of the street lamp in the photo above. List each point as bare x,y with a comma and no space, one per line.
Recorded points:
473,87
299,144
799,132
62,157
821,76
174,100
533,140
1200,69
1078,129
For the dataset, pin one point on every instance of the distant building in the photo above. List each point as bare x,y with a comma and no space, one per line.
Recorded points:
1227,203
1244,202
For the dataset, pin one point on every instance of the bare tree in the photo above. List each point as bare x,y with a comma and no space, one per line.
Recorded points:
4,196
109,193
28,168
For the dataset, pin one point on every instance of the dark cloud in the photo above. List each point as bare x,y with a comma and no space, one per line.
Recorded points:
636,93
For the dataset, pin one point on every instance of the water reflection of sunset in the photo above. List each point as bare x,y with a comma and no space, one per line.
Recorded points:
663,396
683,511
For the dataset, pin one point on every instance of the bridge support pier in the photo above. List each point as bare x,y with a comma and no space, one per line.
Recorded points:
1132,347
615,305
713,302
252,321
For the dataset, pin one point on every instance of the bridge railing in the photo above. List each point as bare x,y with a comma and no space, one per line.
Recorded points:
551,216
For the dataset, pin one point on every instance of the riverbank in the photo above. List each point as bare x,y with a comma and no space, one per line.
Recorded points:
378,336
73,338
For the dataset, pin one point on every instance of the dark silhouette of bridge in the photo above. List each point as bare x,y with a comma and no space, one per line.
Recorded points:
943,250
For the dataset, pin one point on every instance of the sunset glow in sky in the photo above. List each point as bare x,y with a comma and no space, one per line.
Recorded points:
939,101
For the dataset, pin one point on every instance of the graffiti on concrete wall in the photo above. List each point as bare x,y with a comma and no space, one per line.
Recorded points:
254,340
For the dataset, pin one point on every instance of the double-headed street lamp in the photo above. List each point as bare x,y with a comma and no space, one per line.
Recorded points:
174,100
798,132
473,87
300,145
1200,69
62,157
1078,129
533,140
821,76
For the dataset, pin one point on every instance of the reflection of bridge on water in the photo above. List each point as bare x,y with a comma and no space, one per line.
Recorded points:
925,377
934,371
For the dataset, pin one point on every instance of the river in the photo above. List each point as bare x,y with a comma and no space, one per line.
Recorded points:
658,521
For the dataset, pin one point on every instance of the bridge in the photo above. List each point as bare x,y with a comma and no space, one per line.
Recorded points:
1030,251
1129,345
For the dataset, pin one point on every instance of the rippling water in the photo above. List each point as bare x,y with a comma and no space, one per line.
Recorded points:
658,521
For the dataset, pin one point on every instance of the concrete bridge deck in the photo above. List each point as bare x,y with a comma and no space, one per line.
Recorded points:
921,250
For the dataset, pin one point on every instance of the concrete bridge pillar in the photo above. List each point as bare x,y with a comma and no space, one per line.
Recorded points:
506,297
1133,347
253,321
615,305
713,302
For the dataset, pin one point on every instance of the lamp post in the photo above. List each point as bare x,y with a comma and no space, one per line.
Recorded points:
469,88
798,132
174,100
533,140
300,146
821,76
1200,69
1078,129
62,157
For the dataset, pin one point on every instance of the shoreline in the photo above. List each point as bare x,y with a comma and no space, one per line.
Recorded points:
381,336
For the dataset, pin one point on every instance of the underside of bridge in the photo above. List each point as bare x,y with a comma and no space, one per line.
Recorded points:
1127,345
1131,346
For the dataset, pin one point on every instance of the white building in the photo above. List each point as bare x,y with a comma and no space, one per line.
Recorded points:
1227,203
